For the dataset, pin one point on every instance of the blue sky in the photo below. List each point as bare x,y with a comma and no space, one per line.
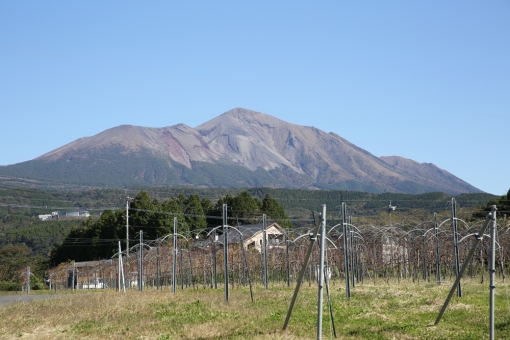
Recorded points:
429,81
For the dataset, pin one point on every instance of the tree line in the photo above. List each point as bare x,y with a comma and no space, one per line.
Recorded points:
97,237
41,244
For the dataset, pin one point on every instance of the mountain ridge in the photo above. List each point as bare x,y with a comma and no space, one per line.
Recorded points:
245,146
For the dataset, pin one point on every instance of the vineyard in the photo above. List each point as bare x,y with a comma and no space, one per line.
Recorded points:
252,258
426,250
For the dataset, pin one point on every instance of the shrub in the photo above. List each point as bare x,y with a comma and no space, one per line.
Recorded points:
10,286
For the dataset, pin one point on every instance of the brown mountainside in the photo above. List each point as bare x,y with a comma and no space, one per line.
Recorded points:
249,144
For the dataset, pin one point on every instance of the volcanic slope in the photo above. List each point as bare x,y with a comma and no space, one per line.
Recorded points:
240,148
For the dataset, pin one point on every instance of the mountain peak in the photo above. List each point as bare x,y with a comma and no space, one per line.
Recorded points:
238,116
241,112
241,147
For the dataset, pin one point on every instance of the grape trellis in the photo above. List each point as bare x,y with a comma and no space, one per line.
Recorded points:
415,250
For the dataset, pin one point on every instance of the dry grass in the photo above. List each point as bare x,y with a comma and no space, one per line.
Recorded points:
398,310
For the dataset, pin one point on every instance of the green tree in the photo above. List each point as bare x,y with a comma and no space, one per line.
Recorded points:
195,216
275,211
242,208
94,239
145,214
13,259
246,207
173,208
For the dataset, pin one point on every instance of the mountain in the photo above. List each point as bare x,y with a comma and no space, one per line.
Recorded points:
240,148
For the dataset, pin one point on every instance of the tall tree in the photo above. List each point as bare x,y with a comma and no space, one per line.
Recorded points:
246,208
194,213
275,211
173,208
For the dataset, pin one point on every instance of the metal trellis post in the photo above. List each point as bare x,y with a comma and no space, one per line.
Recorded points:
264,249
321,271
174,258
215,276
479,237
225,250
438,264
313,238
492,271
140,271
287,255
346,254
28,280
456,244
72,282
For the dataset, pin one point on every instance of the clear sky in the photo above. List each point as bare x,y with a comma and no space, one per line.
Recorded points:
425,80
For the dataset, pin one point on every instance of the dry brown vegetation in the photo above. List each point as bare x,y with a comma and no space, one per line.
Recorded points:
404,310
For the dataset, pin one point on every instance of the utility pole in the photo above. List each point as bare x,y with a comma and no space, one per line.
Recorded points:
127,224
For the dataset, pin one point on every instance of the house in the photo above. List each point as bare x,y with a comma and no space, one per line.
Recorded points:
252,236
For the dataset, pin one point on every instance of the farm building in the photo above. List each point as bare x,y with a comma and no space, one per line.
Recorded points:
252,236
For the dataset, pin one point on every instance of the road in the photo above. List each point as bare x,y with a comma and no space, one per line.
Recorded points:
6,299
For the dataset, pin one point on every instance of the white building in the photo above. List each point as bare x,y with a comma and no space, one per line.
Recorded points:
45,217
253,236
57,214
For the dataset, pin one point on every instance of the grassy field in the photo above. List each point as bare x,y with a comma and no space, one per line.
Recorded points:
396,310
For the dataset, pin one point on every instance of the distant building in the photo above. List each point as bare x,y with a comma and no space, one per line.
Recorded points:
57,214
45,217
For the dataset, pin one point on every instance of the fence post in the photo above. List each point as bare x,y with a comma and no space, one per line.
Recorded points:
174,259
492,271
225,250
321,271
346,253
456,244
264,249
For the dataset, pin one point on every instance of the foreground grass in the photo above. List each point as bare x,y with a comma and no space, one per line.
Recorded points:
384,311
